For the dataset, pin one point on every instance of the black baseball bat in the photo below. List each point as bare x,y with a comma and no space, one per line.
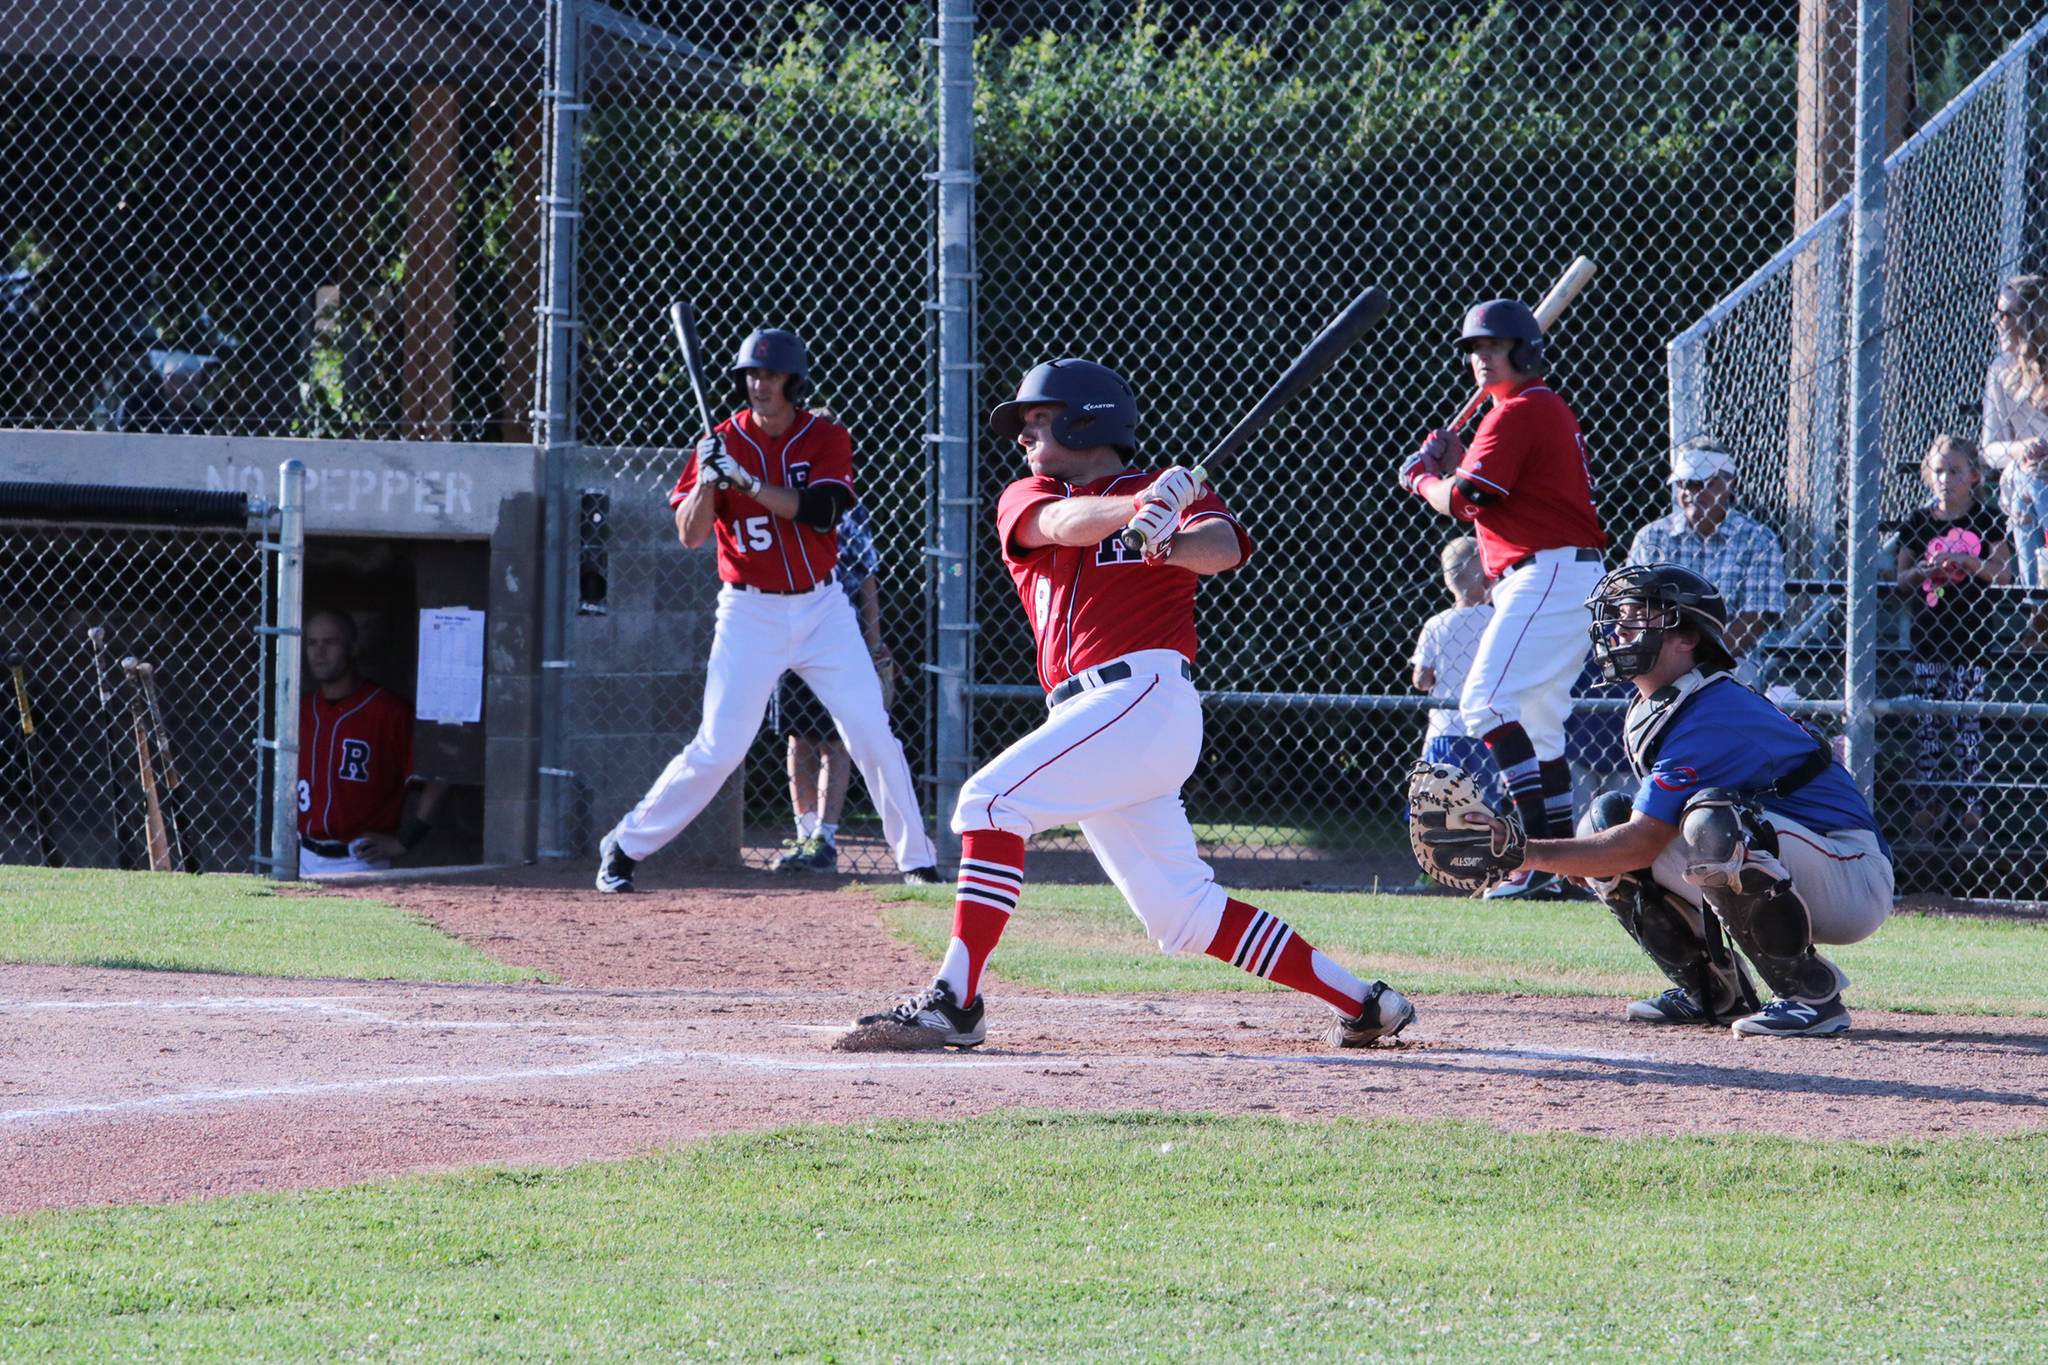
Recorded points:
16,665
1343,332
684,321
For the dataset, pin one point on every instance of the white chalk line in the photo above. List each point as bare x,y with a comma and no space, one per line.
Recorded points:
1104,1063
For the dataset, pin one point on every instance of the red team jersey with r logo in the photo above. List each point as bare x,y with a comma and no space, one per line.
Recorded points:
1530,456
355,759
1092,603
756,547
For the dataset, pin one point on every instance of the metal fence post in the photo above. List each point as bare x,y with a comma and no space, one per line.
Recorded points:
291,618
556,427
2012,207
1866,453
952,519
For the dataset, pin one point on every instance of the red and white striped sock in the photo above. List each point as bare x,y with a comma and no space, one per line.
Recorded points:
1264,945
991,876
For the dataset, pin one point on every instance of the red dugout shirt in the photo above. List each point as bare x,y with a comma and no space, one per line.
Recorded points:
1524,483
1089,604
755,546
355,759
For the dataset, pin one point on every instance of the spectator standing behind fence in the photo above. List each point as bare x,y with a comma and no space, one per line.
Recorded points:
820,769
1443,656
2015,435
355,761
1948,551
1721,543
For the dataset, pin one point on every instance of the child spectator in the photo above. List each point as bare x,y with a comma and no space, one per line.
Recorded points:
1948,551
1443,655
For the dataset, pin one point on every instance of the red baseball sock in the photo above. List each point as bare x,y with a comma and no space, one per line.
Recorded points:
991,875
1263,945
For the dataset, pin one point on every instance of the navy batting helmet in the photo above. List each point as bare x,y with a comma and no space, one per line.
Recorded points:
1509,318
1667,597
1099,409
771,348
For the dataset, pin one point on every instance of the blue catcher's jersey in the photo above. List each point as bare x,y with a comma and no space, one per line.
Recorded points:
1728,736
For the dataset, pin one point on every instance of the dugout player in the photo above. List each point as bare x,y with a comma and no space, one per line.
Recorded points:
1115,633
789,477
1739,807
355,761
1526,487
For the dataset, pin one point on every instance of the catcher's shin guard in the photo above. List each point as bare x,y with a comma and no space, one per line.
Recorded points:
1686,944
1732,856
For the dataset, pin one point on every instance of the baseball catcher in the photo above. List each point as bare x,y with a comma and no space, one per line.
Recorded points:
1743,824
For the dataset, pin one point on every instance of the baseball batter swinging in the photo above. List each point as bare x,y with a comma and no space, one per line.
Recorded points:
1115,633
1526,487
772,482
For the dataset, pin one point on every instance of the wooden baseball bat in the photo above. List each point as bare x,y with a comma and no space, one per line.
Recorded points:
1342,333
117,737
1554,303
154,834
174,787
684,323
16,666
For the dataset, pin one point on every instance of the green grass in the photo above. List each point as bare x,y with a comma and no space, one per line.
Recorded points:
1084,938
1061,1238
223,924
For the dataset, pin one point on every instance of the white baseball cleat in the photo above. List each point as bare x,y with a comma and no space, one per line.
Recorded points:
1385,1013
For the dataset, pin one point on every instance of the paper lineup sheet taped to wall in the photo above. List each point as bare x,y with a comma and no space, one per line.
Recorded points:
451,681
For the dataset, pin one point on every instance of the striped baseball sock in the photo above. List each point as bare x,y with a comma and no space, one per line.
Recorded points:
1509,744
991,875
1557,796
1263,945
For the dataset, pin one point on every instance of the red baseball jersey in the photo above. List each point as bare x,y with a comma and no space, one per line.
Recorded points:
1089,604
355,759
1524,483
755,546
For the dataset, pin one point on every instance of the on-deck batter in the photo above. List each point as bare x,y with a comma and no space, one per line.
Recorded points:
1526,487
789,477
1115,632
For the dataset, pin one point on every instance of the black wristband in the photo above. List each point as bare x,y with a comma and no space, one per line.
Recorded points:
412,831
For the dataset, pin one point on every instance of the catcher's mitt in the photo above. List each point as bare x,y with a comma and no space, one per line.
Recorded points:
1470,857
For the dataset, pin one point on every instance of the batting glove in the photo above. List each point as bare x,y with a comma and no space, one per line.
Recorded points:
1177,489
1156,522
1418,468
725,470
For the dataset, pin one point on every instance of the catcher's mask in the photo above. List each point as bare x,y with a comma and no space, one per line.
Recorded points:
1098,407
1666,597
1510,319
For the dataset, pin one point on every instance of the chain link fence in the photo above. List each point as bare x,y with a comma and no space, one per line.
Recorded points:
135,677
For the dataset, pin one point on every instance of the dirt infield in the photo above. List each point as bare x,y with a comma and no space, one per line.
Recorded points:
710,1009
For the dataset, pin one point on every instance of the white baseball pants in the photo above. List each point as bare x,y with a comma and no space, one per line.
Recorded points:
1532,650
757,637
1112,760
1844,877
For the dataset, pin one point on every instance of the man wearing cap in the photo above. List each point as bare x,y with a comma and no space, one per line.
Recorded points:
1718,541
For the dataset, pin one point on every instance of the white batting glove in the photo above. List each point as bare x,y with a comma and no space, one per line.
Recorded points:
716,464
1177,489
1156,522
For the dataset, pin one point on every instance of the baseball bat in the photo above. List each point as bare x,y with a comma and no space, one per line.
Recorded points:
684,322
117,739
174,787
154,833
1340,335
1554,303
16,668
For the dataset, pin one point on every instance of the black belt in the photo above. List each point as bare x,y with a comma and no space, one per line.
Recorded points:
775,592
1101,677
1582,554
326,848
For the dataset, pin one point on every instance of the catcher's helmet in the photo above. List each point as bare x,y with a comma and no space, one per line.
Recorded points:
1508,318
1100,409
1670,597
771,348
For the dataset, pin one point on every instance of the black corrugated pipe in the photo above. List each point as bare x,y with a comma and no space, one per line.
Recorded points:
108,503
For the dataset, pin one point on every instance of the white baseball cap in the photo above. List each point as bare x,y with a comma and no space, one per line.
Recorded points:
1700,462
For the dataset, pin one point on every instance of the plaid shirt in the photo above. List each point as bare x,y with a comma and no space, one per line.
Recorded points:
1742,558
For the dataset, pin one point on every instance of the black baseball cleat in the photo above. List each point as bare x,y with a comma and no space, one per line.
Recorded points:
1794,1019
934,1010
1675,1006
614,868
1385,1014
922,876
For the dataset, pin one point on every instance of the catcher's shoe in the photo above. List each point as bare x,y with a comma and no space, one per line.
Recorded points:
1524,884
1675,1006
922,876
614,868
933,1009
1386,1013
1794,1019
